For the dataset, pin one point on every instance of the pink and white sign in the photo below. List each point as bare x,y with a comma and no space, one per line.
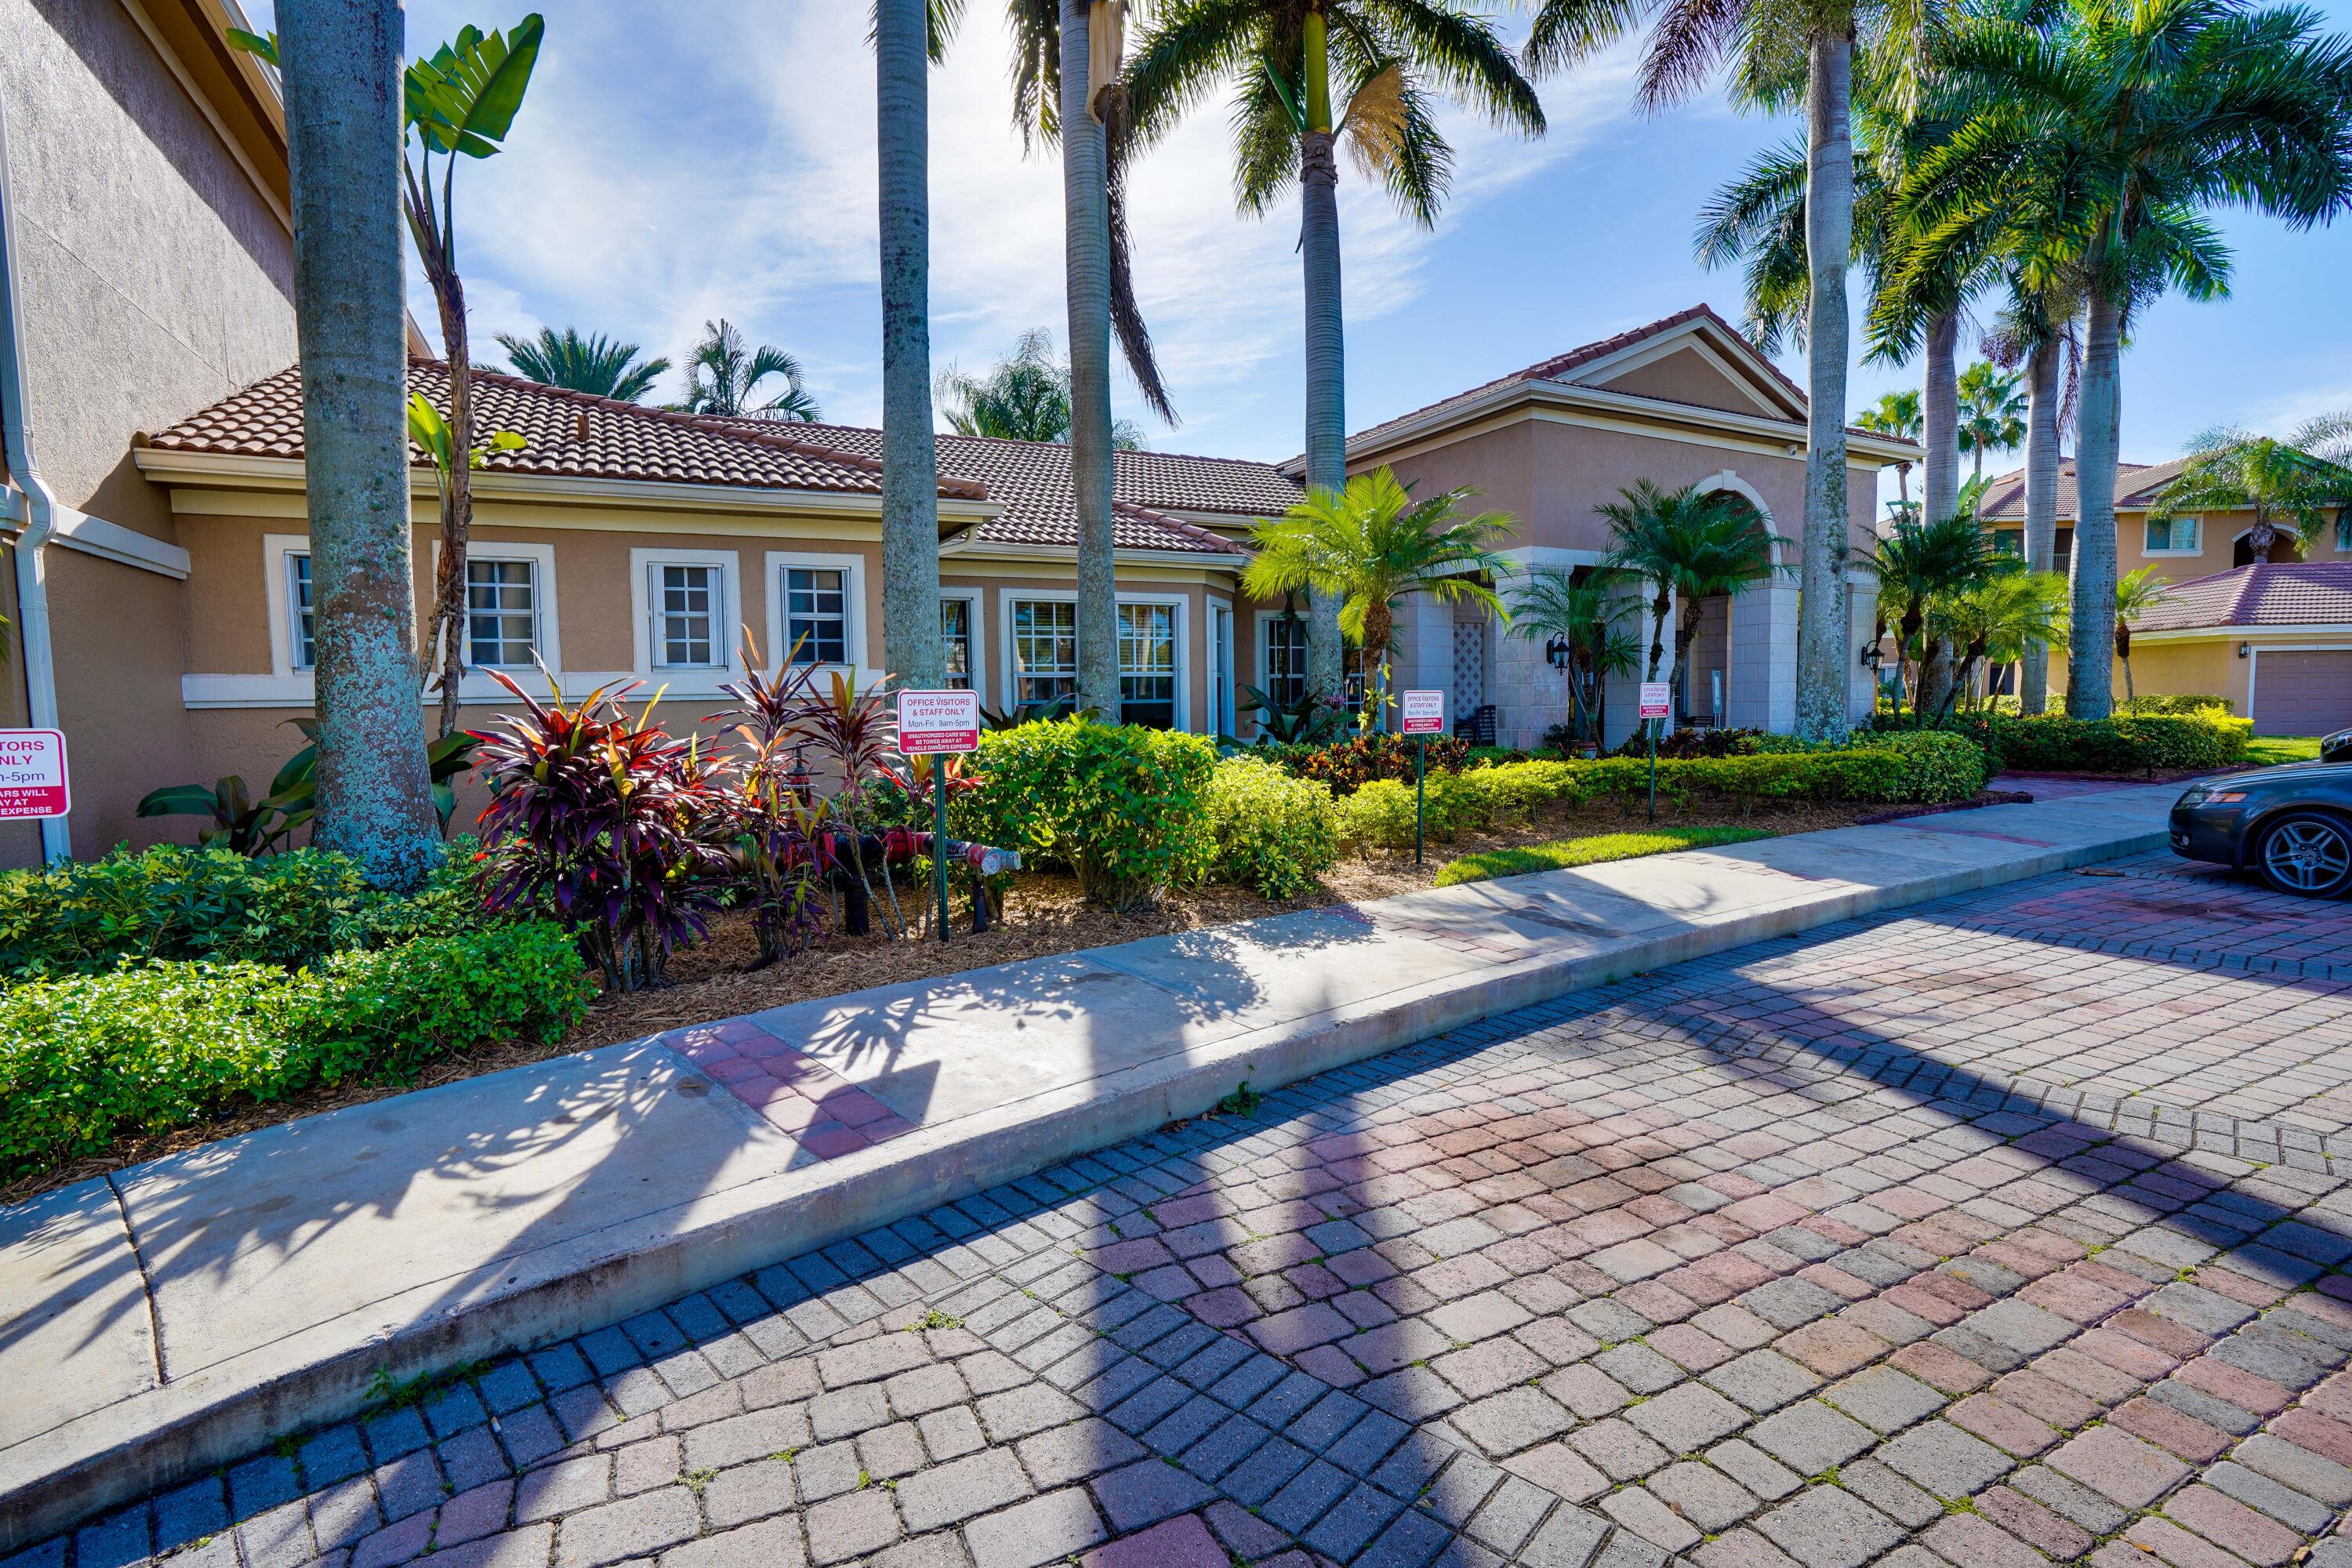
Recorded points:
32,773
1657,700
1422,712
932,722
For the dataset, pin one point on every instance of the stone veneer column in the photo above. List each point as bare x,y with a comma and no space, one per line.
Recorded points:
1624,693
1422,658
1761,681
1862,689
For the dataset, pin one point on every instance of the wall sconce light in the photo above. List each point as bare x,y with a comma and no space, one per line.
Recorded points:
1556,652
1871,657
2245,651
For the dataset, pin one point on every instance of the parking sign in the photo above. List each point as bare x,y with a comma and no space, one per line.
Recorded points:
932,722
1657,701
32,773
1423,712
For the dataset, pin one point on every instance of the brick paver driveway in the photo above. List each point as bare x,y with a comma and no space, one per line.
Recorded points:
2004,1228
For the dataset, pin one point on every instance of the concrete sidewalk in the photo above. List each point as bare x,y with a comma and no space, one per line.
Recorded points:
159,1323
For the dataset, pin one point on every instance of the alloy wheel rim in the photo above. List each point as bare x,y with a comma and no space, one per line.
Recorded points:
2308,856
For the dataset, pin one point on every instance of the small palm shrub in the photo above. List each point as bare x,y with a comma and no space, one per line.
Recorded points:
604,822
1272,832
1120,805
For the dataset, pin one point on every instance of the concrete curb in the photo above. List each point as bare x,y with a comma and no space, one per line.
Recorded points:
166,1435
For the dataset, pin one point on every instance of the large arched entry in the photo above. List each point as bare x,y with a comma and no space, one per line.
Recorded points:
1742,669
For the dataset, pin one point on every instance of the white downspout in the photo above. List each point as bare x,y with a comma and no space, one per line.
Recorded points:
41,506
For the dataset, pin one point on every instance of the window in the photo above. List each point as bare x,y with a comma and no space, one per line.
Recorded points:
1045,651
687,601
1147,665
816,614
955,643
2174,536
1286,658
501,612
301,620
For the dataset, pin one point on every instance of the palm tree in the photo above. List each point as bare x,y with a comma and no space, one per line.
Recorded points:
1917,562
1688,41
1689,547
904,45
603,366
1026,396
342,70
2037,331
723,377
1365,547
1895,416
1579,617
2294,482
1992,621
2088,150
1306,74
2139,591
1992,410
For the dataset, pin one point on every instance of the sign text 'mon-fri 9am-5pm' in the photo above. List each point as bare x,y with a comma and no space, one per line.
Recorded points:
33,781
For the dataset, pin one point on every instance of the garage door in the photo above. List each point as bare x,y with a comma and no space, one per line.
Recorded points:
2301,693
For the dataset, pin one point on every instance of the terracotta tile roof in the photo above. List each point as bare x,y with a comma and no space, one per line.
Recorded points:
2270,593
2135,486
564,433
1562,365
1031,478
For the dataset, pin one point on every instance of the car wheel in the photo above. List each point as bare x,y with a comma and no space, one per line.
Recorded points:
2306,853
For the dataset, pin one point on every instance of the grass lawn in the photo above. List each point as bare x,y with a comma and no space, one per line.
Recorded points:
1589,851
2267,750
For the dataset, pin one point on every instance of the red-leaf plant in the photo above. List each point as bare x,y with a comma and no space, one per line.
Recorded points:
605,819
775,824
857,733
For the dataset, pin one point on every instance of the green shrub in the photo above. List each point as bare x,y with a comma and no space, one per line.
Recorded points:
2154,702
1347,765
2129,743
171,901
1379,816
1590,850
1273,833
1937,765
86,1059
1122,807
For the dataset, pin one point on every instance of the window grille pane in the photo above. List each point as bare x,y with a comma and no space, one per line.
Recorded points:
685,616
955,643
816,614
1285,659
1147,665
501,613
304,653
1045,651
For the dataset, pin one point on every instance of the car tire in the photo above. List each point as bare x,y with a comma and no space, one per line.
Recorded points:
2306,853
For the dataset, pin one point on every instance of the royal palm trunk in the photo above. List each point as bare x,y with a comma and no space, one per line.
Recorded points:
343,78
2090,671
1085,241
2040,505
1829,238
1939,479
1327,416
910,533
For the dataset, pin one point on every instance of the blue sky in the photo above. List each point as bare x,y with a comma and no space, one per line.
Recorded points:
662,174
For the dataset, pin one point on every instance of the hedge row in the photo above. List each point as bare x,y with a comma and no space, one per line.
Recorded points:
2127,743
156,1045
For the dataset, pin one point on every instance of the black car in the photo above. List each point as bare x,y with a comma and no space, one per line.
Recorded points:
2291,825
2336,748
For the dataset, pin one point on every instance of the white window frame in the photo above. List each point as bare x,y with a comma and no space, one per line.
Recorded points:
479,687
688,680
277,579
853,609
2197,530
975,604
1008,597
1176,671
1261,647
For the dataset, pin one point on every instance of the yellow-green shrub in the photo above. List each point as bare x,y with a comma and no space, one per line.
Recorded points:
1273,831
1377,816
1119,804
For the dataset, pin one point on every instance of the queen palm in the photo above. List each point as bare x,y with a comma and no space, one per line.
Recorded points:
1024,397
1369,544
1687,547
2086,153
1307,75
597,364
1580,617
724,375
1992,410
2292,486
1895,416
2136,593
1991,622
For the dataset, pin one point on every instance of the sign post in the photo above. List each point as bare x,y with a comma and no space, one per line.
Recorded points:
1424,715
939,724
33,780
1657,703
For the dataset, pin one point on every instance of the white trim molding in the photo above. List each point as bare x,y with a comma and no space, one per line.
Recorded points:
123,547
277,595
726,618
975,602
853,611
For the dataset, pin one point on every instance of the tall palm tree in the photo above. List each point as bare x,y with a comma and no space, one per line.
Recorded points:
1688,41
1689,547
342,73
1366,546
1024,397
2292,486
2139,591
1577,618
723,376
2088,151
2036,331
603,366
1307,75
1895,416
1992,410
904,43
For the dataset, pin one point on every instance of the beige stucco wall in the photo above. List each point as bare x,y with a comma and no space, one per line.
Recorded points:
155,278
1686,376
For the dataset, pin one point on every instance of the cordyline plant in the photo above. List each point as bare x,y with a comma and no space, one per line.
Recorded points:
774,823
600,818
857,732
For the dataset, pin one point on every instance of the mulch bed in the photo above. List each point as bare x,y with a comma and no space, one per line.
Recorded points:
1045,914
